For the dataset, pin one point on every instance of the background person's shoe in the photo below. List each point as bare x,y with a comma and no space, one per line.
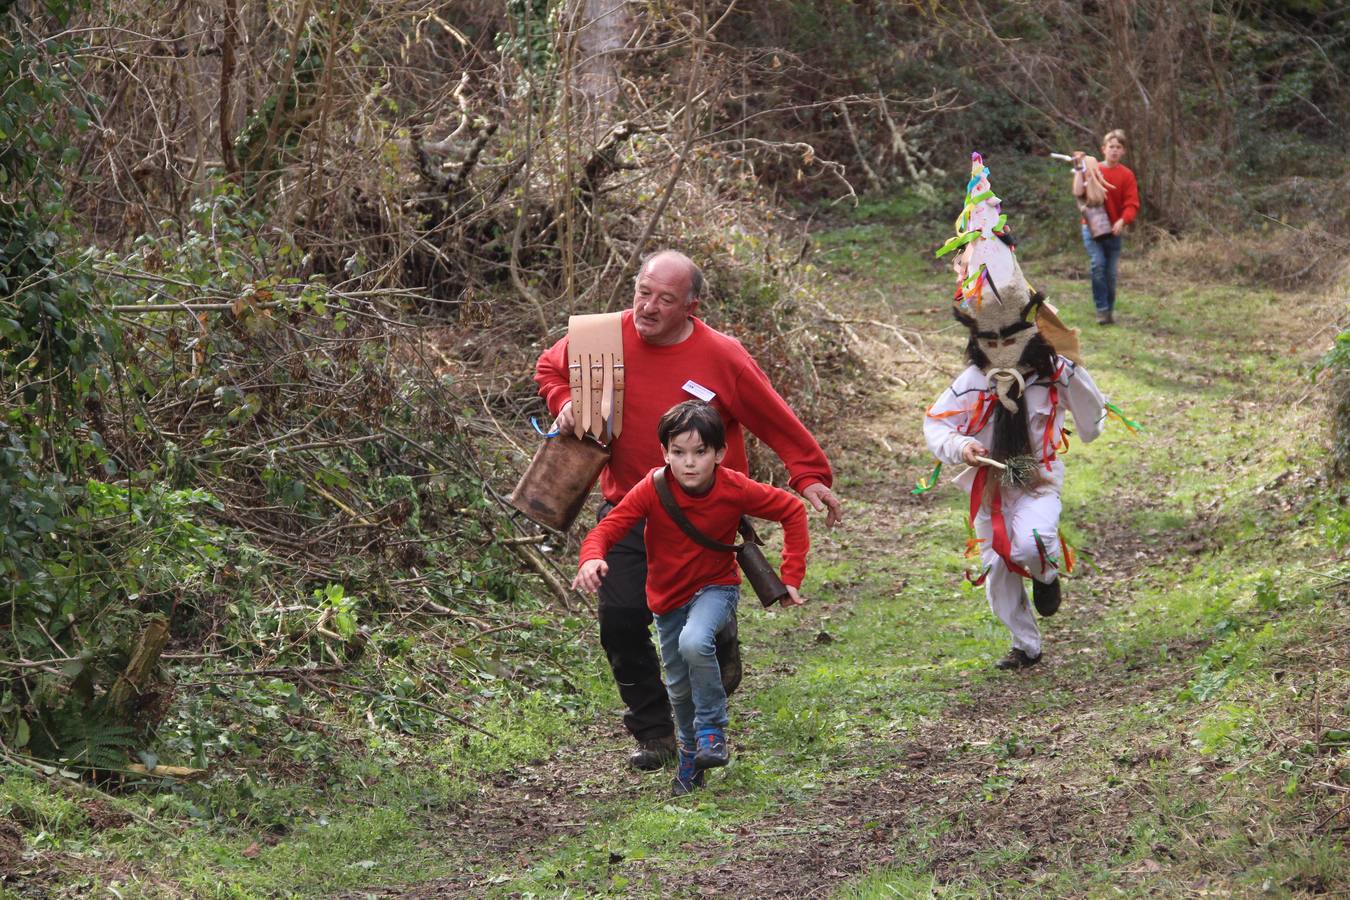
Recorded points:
1104,317
1016,659
652,754
711,749
1045,597
687,777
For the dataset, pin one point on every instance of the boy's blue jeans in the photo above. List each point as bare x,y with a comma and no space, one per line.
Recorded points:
1104,255
689,653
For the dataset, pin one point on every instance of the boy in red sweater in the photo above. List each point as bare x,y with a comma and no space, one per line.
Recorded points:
691,590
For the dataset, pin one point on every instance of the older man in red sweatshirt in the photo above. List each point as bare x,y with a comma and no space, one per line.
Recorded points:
669,356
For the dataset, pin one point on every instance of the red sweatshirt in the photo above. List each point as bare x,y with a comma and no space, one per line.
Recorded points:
654,380
1122,199
676,566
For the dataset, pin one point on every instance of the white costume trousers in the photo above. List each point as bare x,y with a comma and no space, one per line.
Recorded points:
1025,516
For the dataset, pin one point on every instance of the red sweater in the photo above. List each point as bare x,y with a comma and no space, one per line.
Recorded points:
1122,199
654,379
676,566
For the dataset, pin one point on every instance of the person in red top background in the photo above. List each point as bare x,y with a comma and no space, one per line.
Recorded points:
1122,206
693,590
670,355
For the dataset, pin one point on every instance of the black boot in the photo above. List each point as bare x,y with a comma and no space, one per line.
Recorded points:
1045,597
1016,659
652,754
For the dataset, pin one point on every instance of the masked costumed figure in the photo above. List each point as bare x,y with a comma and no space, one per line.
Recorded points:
1004,416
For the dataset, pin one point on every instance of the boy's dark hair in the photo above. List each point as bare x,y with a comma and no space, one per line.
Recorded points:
693,415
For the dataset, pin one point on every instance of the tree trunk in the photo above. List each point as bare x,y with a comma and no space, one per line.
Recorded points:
601,29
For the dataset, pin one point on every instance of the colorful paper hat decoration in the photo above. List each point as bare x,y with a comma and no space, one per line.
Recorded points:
985,256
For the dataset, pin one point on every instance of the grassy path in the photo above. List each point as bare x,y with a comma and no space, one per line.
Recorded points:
1185,736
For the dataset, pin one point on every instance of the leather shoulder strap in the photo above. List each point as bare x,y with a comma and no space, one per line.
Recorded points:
673,509
596,375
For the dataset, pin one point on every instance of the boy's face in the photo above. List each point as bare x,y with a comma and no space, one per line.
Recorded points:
1113,151
692,462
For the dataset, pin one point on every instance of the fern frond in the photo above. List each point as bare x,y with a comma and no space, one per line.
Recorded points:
95,743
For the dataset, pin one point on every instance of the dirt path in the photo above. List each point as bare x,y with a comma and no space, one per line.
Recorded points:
852,827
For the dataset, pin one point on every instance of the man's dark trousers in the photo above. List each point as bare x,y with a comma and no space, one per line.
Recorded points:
625,634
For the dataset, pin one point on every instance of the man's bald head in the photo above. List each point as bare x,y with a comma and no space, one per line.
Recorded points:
666,258
665,297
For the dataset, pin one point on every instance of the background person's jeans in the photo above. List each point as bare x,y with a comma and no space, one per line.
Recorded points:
689,653
1105,257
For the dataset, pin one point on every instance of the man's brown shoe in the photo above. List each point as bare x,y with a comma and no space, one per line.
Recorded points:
1045,597
651,755
1016,659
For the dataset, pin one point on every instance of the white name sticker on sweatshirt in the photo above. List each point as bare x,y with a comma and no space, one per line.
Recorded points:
698,390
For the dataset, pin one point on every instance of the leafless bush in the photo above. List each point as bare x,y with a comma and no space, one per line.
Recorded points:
441,148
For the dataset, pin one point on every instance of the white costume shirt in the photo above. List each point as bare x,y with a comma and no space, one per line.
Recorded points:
949,419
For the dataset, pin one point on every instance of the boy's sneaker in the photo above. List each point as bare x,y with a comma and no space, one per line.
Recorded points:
712,749
652,754
1046,597
687,777
1016,659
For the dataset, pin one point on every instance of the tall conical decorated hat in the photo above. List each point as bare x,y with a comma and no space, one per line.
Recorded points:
992,295
985,244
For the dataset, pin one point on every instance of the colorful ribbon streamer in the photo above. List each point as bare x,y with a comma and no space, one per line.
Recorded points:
923,486
553,432
1113,411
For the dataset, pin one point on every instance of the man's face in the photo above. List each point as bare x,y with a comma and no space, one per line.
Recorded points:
692,462
1113,151
661,304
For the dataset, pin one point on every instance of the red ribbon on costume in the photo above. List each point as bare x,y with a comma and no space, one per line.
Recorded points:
980,416
977,582
1048,440
1002,544
1049,443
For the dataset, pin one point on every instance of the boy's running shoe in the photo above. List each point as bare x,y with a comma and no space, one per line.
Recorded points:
712,749
687,776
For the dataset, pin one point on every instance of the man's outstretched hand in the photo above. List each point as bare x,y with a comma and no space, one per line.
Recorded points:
589,576
822,497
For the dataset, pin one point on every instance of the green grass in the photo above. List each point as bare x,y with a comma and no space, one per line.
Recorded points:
1173,738
248,835
1222,616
